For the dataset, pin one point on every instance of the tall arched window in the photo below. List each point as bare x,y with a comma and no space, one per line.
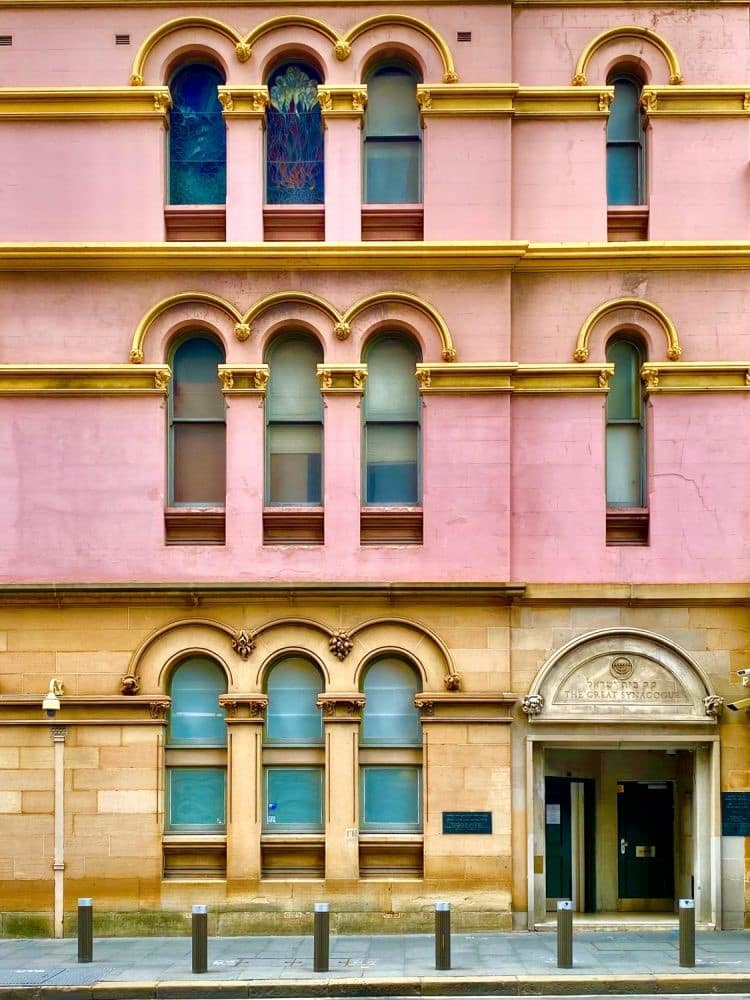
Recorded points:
294,137
293,786
626,460
390,791
626,143
392,409
294,422
392,137
197,138
195,748
197,424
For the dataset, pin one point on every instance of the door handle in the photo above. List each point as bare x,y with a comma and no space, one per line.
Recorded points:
623,845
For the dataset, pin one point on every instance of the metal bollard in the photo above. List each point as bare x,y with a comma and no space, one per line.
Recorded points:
564,934
687,933
85,930
200,938
321,932
442,936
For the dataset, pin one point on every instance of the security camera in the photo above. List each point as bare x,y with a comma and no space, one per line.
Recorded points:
736,706
51,701
745,675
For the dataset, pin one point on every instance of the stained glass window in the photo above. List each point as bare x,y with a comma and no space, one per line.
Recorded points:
294,138
197,138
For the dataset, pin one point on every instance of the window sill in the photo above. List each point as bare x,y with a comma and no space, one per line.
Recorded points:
194,856
627,223
194,526
390,526
292,856
385,856
292,525
293,223
392,222
195,223
627,526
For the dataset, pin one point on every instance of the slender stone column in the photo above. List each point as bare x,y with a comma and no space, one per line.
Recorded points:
245,116
58,740
343,111
341,717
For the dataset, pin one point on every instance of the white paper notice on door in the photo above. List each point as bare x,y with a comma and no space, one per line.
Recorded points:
553,814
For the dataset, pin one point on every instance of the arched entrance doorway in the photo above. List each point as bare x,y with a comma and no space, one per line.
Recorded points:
622,796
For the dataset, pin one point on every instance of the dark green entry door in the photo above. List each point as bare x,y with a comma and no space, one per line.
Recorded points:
558,861
646,846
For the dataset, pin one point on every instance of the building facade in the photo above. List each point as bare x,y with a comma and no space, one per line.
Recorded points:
374,389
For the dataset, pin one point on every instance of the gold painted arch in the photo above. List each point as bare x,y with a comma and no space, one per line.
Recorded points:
674,351
448,351
405,20
628,31
282,298
243,44
200,298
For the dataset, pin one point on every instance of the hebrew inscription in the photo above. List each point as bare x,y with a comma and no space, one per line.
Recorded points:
606,682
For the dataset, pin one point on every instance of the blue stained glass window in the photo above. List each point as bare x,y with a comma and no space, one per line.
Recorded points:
195,717
197,138
196,799
391,798
292,716
294,798
390,717
294,138
625,145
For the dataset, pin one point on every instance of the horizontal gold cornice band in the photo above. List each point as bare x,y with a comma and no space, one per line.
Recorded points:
696,101
244,380
696,376
97,103
458,99
513,378
455,255
84,380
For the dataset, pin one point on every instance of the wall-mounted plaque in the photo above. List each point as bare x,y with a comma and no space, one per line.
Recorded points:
735,814
467,822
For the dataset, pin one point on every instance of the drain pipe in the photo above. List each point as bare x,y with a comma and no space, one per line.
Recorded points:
58,742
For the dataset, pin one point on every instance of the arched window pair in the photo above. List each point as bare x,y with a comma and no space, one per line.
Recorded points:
294,422
294,137
390,793
627,519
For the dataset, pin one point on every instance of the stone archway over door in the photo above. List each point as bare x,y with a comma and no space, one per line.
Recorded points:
621,714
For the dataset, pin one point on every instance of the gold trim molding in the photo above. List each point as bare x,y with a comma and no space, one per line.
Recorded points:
696,101
95,103
630,32
84,380
510,377
243,44
345,101
243,102
464,100
244,380
674,351
342,378
563,102
696,376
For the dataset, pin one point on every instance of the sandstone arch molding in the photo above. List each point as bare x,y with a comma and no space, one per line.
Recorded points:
152,661
243,44
398,636
243,322
627,33
639,314
621,675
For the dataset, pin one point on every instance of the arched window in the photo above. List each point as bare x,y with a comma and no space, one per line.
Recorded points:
626,459
197,138
390,792
197,424
293,788
392,409
626,144
294,137
294,422
195,755
392,137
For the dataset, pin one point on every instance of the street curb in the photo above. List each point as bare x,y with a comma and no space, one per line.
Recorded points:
417,986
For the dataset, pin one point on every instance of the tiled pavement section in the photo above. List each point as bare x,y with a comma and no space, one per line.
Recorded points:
600,959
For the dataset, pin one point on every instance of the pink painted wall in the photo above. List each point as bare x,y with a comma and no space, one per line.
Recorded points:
698,197
82,180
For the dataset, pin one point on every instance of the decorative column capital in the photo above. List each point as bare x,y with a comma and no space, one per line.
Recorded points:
243,102
244,707
342,378
341,707
342,101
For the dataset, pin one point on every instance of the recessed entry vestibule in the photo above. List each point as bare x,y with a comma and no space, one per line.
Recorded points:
623,782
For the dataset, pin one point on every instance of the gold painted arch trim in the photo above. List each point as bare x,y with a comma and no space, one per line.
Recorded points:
628,31
448,351
674,351
243,44
181,298
282,298
405,20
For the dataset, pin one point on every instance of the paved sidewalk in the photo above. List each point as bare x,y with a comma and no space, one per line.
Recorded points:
511,964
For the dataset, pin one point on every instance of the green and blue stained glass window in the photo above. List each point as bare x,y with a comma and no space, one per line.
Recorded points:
392,408
197,138
294,137
625,144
